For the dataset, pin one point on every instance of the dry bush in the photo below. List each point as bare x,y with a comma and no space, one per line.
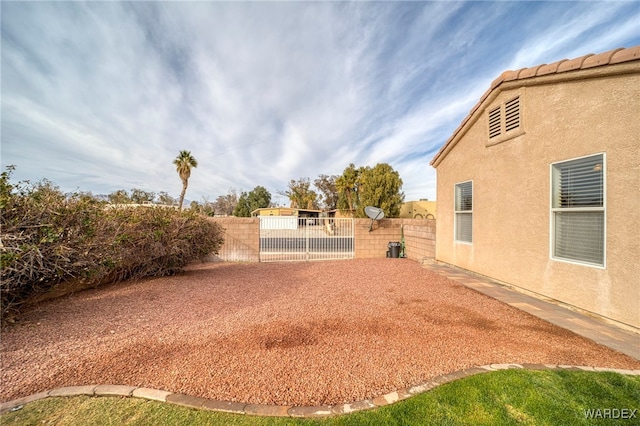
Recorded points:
48,238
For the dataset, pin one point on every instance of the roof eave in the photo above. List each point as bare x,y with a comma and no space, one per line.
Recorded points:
563,70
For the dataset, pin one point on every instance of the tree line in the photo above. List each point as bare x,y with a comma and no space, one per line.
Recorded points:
356,188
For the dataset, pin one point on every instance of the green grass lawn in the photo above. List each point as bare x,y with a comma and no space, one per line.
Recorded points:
505,397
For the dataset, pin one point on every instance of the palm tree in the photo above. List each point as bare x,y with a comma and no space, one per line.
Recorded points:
184,162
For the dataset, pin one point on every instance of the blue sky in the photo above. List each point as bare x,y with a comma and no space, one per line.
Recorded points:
102,96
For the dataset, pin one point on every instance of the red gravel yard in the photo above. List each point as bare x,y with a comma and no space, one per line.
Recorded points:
285,333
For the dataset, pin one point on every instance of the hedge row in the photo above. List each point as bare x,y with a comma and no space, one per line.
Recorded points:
48,238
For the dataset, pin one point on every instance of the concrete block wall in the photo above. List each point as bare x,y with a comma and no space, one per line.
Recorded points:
373,244
419,237
241,239
420,240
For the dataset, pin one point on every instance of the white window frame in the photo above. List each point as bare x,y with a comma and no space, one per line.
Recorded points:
456,212
603,209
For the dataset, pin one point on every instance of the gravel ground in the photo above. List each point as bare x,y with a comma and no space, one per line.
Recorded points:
280,333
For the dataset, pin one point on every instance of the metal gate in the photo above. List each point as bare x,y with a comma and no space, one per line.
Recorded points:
290,238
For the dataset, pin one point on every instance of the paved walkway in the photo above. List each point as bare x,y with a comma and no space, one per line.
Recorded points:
592,328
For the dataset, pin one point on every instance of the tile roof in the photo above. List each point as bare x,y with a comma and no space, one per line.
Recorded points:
615,56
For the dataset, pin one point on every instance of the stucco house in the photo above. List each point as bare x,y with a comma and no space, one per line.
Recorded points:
539,187
423,209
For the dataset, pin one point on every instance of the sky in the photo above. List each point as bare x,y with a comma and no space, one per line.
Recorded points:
102,96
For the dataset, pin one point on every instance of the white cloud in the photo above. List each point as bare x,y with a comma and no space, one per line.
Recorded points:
102,96
589,27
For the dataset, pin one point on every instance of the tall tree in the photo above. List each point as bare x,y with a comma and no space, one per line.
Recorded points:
347,187
301,195
242,207
165,198
184,162
226,204
380,186
258,198
139,196
329,194
119,197
204,208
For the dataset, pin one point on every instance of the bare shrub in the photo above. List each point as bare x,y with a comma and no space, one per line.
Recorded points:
47,238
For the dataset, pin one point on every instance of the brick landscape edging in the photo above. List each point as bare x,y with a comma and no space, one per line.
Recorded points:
287,410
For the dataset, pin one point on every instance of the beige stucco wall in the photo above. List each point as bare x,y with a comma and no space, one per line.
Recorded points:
418,210
563,119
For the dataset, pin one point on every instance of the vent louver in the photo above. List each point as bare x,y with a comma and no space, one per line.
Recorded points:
512,114
495,127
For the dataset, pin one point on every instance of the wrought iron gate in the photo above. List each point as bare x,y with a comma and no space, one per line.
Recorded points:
290,238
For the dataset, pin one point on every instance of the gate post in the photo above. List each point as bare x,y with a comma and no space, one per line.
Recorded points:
306,233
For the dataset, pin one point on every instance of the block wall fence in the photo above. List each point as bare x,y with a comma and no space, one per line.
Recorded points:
242,238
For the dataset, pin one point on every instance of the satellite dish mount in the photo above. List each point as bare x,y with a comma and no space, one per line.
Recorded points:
374,213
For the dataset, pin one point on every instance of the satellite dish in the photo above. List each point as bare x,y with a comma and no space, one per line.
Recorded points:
374,213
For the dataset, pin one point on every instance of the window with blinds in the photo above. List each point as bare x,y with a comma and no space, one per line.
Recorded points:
578,210
464,212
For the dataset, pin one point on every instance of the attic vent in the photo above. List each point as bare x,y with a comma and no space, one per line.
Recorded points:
505,121
495,128
512,115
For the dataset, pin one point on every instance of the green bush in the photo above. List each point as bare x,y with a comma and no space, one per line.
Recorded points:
48,238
